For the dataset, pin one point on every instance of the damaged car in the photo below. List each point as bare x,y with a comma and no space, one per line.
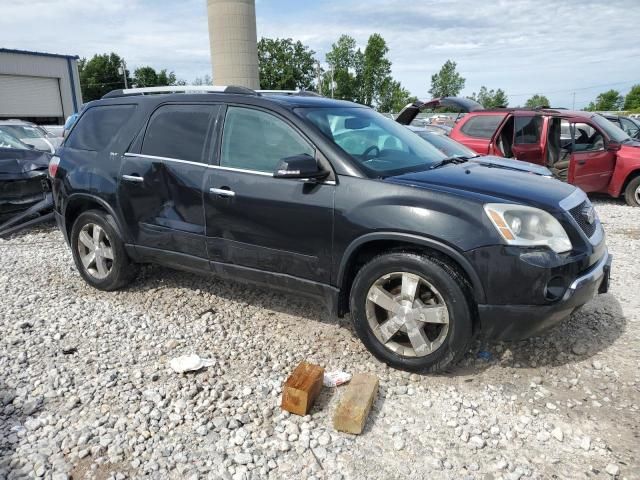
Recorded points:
25,197
581,148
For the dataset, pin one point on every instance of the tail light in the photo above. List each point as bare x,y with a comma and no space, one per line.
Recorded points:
53,166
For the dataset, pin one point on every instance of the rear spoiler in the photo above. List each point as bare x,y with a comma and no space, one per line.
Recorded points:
411,111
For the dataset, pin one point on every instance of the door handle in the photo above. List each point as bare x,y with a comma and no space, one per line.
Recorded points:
582,162
223,192
133,178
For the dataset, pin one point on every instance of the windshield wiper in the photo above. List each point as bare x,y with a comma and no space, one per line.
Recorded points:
447,161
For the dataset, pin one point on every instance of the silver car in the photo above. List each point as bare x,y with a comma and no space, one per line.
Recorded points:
31,134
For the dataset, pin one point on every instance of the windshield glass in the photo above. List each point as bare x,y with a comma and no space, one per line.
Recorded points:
449,147
381,146
7,141
611,130
23,131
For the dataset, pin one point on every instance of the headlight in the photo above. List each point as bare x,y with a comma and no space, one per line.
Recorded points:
528,226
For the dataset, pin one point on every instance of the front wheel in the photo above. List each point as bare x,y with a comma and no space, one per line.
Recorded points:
412,311
632,192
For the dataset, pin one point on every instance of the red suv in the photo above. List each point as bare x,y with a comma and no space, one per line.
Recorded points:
581,148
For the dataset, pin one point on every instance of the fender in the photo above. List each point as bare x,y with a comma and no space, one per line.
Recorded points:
123,232
478,289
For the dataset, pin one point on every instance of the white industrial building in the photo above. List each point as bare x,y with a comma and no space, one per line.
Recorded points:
40,87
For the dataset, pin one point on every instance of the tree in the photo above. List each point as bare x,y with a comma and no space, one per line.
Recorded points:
206,80
285,64
376,70
393,97
100,75
537,101
607,101
148,77
632,100
490,98
344,64
447,82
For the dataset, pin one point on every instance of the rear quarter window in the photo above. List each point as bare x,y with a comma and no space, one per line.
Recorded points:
98,126
481,126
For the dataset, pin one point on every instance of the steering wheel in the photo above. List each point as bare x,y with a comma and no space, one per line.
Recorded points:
368,151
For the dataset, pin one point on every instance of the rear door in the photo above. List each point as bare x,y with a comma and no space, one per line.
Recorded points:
260,222
160,186
476,130
591,164
527,138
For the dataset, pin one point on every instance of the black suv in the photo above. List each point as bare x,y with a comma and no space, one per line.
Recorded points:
331,199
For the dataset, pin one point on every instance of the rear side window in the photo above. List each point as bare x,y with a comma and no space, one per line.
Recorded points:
178,131
528,130
481,126
98,126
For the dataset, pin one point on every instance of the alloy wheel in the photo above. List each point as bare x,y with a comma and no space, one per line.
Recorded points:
636,195
407,314
96,253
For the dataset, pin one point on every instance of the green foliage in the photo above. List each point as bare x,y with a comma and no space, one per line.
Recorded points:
447,82
490,98
632,100
285,64
206,80
148,77
611,100
376,70
100,75
393,97
344,64
537,101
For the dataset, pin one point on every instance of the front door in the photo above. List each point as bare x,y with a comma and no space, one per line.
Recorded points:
160,189
527,143
591,164
257,221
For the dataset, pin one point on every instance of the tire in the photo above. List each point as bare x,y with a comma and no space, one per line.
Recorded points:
632,192
438,286
102,273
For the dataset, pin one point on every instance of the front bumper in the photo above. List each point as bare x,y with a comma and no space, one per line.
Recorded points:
514,322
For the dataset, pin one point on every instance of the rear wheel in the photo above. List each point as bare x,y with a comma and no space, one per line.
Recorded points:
98,252
411,311
632,192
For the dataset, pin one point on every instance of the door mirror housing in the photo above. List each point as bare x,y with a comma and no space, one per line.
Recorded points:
299,166
613,146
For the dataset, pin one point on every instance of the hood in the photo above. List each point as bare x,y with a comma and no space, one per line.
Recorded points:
633,144
411,111
20,164
489,183
508,164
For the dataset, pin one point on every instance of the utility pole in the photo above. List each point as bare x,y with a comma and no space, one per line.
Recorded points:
122,69
574,101
332,85
319,78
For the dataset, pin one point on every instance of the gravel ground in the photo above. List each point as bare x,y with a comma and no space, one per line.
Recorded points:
85,391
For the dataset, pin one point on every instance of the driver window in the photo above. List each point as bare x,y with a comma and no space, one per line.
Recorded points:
255,140
586,138
629,127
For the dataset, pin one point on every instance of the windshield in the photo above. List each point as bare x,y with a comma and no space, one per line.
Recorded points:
7,141
23,131
449,147
612,131
381,146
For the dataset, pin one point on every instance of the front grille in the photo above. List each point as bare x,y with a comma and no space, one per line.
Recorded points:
581,219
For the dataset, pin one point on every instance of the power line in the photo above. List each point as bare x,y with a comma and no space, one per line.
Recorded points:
569,90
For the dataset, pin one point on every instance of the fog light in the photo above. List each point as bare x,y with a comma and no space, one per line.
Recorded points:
555,288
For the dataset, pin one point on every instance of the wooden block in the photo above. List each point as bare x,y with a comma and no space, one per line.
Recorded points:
353,409
301,388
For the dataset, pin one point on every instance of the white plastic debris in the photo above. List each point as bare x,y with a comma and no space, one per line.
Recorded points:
335,379
189,363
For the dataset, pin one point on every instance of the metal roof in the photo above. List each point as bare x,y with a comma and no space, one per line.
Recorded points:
39,54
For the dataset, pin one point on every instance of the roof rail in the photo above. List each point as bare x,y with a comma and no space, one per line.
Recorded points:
126,92
298,93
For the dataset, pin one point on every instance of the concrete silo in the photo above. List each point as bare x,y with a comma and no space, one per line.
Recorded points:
233,41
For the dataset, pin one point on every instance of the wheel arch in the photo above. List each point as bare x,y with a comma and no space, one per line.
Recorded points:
371,244
80,202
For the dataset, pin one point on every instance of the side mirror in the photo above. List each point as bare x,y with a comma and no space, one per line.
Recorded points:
299,166
613,146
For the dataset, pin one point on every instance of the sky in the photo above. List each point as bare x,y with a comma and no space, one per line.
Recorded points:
560,48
